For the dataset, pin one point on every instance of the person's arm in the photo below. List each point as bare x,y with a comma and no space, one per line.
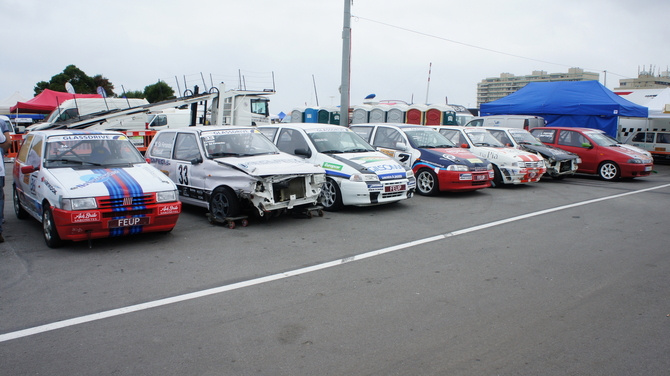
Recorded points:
7,143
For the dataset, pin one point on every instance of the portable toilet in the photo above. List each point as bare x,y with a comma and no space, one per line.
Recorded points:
396,114
415,114
433,116
378,113
310,115
360,114
334,115
323,116
297,115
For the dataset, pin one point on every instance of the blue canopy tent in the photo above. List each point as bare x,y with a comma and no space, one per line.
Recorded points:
586,104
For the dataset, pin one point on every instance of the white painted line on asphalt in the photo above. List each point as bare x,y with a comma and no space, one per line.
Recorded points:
291,273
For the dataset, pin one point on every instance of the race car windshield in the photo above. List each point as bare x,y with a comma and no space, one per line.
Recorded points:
84,151
524,137
601,139
339,142
236,143
428,139
483,138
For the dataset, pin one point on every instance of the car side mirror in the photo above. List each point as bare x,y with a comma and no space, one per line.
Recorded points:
28,169
303,152
196,160
587,145
401,146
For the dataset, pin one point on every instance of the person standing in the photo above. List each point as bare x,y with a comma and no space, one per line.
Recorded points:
5,143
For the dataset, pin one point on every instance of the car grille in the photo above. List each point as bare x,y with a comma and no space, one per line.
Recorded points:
565,166
126,203
282,191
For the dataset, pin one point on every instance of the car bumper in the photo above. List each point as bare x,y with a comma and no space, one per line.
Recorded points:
95,224
521,175
455,181
365,193
633,170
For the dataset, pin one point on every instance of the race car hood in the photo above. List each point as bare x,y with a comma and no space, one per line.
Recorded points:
635,150
385,167
512,154
549,152
271,164
631,153
119,182
447,156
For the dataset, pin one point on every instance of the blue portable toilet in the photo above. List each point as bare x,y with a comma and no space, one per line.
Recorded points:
311,115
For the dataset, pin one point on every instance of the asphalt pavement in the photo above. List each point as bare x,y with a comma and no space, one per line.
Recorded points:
554,278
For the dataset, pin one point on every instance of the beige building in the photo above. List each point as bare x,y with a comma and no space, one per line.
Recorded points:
646,80
494,88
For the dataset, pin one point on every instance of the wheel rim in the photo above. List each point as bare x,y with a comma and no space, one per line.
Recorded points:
220,206
425,182
608,171
47,225
17,206
329,194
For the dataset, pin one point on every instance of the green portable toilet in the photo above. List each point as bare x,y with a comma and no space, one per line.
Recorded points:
323,116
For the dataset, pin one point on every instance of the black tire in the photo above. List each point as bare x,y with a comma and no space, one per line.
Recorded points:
497,178
609,171
20,212
224,203
331,196
49,231
427,183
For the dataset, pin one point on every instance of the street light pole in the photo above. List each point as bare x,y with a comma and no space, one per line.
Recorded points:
346,65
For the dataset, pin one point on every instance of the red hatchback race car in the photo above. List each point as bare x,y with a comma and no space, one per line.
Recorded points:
600,155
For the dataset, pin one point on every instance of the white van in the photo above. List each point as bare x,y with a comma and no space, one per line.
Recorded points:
168,118
508,121
73,108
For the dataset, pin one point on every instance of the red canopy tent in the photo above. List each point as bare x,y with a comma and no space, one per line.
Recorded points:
47,101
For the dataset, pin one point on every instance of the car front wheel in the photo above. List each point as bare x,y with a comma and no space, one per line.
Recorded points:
497,178
331,196
224,203
49,228
608,171
20,212
426,183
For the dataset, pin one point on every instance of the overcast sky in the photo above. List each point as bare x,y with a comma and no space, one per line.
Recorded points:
136,43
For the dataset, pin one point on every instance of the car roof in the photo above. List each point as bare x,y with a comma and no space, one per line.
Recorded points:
396,125
567,128
66,132
305,126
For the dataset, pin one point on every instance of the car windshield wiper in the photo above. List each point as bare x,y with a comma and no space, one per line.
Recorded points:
483,144
359,150
64,160
437,146
334,151
224,154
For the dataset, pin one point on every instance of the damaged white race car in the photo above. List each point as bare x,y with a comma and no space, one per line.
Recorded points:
230,169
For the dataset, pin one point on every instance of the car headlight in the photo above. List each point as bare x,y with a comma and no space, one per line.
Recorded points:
409,174
457,167
166,196
364,177
489,166
635,160
78,203
519,164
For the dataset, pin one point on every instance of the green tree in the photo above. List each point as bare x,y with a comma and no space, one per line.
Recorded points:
158,92
82,83
99,80
134,94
